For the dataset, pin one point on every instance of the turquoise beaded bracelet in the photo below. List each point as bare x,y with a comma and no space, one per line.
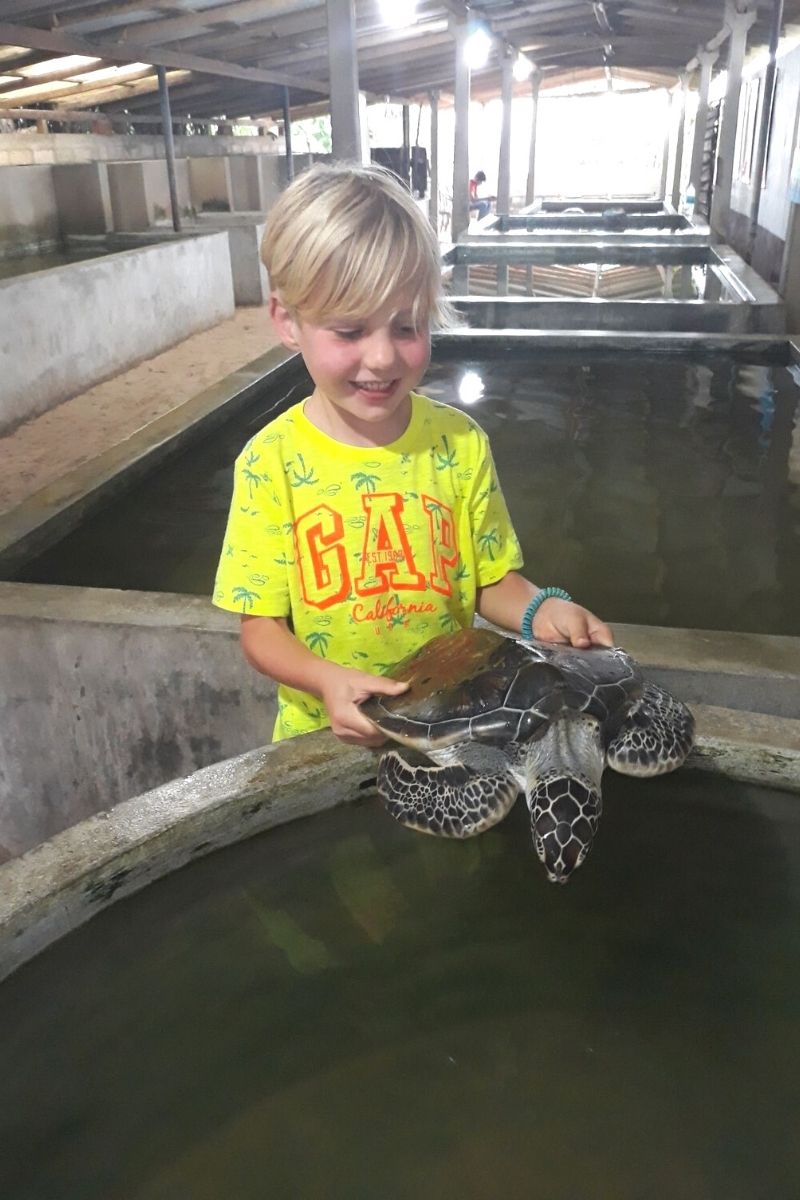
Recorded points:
548,593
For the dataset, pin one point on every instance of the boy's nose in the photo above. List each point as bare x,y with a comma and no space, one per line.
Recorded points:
379,351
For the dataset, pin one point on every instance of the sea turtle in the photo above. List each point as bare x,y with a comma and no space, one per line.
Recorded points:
499,716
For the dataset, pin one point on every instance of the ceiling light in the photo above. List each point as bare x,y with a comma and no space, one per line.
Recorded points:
523,68
399,13
476,49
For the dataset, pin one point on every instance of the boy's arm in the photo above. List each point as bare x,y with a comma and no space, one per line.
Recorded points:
504,603
270,646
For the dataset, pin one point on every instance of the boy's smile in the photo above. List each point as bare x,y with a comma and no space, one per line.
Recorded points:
363,370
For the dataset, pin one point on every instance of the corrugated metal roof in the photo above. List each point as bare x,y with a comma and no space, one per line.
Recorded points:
234,57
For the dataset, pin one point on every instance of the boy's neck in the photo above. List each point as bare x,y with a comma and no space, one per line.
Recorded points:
348,429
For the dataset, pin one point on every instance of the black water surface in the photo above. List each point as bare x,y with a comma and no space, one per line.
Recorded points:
656,489
346,1010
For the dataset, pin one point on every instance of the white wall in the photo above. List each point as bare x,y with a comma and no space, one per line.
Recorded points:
63,330
28,209
27,147
773,213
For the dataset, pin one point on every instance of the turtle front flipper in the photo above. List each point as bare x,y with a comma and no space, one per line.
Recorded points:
654,738
565,812
451,801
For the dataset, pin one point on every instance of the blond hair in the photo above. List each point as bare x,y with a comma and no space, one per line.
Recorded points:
346,240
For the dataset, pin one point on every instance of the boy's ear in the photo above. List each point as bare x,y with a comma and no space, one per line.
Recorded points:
284,322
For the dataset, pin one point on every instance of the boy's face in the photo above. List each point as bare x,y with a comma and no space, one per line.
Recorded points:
363,370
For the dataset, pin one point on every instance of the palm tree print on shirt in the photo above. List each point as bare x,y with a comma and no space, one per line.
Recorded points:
304,476
447,458
254,478
243,596
368,482
317,641
487,540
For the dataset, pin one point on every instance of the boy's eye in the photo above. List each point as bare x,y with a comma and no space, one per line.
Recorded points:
348,335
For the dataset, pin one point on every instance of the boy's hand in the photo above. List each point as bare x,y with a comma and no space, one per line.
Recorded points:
342,690
562,621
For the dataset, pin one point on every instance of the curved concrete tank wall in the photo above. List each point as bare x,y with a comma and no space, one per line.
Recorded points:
67,880
105,694
124,691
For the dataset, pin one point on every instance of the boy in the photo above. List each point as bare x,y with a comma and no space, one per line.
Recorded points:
366,519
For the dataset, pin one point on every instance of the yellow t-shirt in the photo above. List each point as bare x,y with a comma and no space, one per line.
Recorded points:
371,551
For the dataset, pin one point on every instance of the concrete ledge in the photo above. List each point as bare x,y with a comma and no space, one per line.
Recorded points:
749,672
63,883
747,746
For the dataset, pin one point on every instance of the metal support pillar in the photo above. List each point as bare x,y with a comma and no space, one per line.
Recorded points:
536,80
765,124
287,135
504,161
739,23
433,203
169,146
407,143
678,169
343,65
662,191
706,59
460,219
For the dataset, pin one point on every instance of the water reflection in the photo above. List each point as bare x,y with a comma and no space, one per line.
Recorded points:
660,490
606,281
344,1009
470,388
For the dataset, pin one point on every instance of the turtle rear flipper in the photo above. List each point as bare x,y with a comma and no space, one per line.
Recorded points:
655,737
451,801
565,812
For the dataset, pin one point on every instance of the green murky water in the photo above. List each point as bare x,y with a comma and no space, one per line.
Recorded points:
658,490
346,1010
26,264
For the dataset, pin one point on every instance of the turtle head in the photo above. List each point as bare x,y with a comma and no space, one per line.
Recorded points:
565,810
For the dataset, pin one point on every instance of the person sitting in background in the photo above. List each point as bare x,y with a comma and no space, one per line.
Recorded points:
482,204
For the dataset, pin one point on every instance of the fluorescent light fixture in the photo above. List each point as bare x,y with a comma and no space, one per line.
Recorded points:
476,49
399,13
523,68
57,66
471,388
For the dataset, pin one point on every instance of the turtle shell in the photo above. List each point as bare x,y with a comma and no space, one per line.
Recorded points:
478,685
